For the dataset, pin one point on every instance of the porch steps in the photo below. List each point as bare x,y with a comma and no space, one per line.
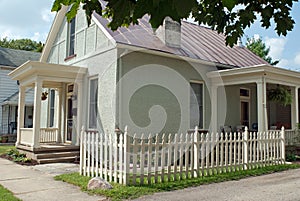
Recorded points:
57,157
69,159
52,153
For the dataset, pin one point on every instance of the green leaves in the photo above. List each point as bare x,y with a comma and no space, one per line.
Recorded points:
229,17
258,47
22,44
280,95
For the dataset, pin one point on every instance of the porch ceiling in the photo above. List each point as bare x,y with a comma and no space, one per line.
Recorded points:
254,74
28,72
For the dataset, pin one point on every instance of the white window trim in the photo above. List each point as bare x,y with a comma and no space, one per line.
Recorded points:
89,88
69,37
203,100
248,100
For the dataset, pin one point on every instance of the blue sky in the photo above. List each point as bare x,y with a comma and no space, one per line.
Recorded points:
32,19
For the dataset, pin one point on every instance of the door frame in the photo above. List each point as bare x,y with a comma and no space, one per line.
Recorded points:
69,95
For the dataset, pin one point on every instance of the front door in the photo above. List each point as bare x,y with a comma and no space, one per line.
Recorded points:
69,113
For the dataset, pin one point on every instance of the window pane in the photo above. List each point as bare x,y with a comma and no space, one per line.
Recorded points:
93,110
52,102
72,37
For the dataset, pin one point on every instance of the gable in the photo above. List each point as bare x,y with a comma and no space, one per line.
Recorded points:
89,40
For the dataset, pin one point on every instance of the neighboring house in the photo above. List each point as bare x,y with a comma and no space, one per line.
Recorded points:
10,59
170,80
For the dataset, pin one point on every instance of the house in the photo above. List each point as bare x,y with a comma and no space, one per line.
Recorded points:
166,80
10,59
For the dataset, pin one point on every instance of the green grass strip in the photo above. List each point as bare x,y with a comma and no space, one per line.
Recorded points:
4,149
7,195
120,192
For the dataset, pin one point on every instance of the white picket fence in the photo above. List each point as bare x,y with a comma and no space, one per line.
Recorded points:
141,159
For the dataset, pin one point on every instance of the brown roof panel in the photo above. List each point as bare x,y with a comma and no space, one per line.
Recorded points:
197,42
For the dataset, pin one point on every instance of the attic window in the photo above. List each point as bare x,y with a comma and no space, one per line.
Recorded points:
71,38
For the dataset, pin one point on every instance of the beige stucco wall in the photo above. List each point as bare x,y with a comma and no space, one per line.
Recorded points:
154,93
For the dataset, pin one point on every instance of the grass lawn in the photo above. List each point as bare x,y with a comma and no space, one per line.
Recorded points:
120,192
7,195
5,148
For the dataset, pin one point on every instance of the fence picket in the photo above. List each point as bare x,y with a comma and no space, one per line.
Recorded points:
149,158
175,156
163,158
89,155
142,158
101,155
115,157
93,154
121,162
97,154
134,161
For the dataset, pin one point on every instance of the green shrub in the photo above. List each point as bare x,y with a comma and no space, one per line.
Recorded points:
17,156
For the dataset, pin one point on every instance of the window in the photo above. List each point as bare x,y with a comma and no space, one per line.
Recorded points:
71,38
51,107
93,99
245,92
196,105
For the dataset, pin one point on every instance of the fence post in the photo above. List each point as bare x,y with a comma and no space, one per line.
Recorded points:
245,148
196,152
81,150
282,147
126,156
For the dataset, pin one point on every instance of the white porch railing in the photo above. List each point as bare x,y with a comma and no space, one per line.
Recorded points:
48,135
292,137
150,159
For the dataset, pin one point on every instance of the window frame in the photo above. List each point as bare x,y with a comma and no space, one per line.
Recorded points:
203,103
70,53
89,102
51,121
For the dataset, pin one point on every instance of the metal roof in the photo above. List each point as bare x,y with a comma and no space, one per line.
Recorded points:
15,58
197,42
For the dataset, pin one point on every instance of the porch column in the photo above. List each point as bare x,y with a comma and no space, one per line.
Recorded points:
62,108
59,117
79,110
214,108
261,105
21,110
37,112
294,108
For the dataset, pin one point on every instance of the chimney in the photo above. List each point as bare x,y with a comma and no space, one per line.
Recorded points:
170,33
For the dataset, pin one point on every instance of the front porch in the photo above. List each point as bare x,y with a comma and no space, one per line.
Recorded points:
246,96
58,96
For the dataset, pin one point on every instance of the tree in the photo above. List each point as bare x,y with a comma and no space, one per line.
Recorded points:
258,47
22,44
230,17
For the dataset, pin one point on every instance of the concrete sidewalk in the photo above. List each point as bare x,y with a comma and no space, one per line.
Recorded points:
37,183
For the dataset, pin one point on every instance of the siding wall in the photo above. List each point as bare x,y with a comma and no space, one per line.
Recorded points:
7,88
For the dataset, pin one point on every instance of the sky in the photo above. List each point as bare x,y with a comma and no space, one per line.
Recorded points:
33,19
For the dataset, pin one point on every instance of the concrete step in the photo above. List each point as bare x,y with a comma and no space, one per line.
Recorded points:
69,159
57,155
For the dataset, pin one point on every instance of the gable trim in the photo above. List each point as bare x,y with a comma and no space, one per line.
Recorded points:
58,20
104,30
